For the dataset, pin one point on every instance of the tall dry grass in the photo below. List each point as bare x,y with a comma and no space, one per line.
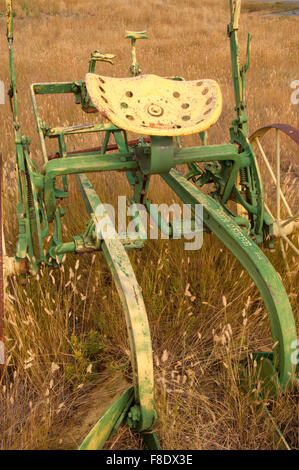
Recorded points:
65,332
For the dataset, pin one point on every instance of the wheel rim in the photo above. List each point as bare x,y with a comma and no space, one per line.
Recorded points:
285,215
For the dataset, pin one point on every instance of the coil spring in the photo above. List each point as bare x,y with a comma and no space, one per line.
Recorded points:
29,190
243,175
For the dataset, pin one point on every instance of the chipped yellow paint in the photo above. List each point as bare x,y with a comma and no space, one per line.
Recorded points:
134,310
236,13
152,105
136,34
108,422
99,56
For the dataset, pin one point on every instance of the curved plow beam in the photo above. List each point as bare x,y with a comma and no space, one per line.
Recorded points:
282,228
109,422
143,416
256,264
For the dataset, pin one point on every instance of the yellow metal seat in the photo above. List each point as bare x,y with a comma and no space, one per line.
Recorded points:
151,105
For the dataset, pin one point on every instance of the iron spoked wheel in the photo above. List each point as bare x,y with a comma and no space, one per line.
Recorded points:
276,147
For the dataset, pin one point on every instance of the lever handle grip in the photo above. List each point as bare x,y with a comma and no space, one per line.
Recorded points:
136,35
99,56
9,19
236,10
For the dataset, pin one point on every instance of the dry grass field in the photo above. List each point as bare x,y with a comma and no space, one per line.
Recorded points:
66,340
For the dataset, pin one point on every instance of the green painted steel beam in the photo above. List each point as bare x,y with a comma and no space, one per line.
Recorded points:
82,129
88,164
133,307
124,161
255,263
108,422
206,152
52,88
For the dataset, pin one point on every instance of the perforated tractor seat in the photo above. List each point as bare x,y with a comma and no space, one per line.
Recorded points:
152,105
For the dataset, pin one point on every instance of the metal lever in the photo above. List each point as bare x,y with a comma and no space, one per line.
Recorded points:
134,35
235,9
236,13
245,67
9,19
98,56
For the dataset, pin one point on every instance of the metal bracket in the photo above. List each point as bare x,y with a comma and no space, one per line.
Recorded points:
157,159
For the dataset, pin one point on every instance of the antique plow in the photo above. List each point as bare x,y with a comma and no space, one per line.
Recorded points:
157,110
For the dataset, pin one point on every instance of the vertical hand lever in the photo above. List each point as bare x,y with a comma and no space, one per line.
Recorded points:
134,35
245,67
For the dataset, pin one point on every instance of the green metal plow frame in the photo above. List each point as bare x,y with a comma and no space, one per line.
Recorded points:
39,206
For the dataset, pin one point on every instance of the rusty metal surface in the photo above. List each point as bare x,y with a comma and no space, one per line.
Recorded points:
152,105
109,148
288,130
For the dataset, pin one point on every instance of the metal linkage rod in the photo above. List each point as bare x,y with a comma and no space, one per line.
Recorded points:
13,90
